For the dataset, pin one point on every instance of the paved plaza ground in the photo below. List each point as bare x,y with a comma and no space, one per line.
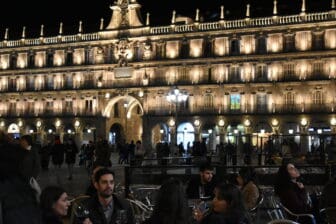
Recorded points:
80,180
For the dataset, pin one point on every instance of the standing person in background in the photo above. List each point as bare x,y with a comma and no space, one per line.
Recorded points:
18,199
57,157
71,151
31,164
171,206
102,153
45,155
139,153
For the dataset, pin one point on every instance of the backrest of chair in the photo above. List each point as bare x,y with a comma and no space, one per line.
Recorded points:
331,215
76,202
274,211
295,215
282,221
259,202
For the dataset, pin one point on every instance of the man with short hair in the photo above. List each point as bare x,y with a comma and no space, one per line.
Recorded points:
106,207
203,185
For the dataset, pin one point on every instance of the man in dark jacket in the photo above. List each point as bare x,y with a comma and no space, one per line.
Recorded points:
105,207
31,164
202,186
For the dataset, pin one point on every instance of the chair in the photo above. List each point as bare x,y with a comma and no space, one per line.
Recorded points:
274,210
75,203
330,214
254,212
140,210
282,221
297,216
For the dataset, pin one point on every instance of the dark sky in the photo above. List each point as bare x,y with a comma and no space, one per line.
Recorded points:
50,13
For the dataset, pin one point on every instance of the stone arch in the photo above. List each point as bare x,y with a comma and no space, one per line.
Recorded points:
132,101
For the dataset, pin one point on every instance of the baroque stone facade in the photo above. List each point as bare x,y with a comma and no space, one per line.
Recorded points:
246,76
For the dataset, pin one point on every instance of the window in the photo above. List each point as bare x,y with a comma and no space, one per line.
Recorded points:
49,106
318,97
235,102
68,106
116,110
261,73
208,101
235,47
289,98
88,105
261,103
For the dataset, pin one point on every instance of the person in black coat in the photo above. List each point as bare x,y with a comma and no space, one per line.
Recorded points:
171,206
291,192
203,185
71,151
105,207
18,200
57,153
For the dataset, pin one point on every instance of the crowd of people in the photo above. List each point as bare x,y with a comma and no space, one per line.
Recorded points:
229,201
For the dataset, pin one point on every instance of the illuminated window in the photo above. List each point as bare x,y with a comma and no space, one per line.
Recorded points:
261,102
235,102
208,101
289,98
317,97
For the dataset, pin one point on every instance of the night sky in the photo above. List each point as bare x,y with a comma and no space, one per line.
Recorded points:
50,13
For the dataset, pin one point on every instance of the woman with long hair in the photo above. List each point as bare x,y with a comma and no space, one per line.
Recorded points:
292,192
54,205
227,207
248,187
171,206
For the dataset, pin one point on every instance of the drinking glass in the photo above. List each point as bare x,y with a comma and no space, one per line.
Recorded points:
81,212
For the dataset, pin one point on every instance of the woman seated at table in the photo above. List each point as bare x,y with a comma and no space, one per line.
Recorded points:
291,192
171,206
54,205
246,183
227,207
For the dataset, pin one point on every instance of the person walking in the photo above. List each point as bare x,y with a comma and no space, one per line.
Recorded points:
71,151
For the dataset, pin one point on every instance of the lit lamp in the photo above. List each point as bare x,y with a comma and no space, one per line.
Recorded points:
58,123
77,124
247,123
333,124
275,125
161,135
197,123
304,122
20,124
274,122
38,124
221,123
176,96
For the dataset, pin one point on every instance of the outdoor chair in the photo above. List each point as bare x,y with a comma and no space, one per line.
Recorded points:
329,214
255,211
78,207
282,221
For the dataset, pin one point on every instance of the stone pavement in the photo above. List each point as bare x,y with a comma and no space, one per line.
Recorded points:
80,180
